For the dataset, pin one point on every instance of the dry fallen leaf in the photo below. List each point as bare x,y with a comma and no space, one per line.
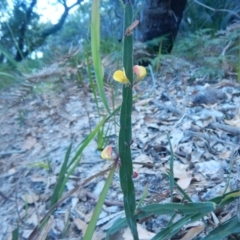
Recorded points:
143,102
80,224
193,232
142,232
98,235
33,219
29,143
234,122
180,172
46,229
225,154
210,167
30,198
176,136
143,158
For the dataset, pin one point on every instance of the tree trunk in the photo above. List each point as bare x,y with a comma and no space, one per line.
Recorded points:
160,18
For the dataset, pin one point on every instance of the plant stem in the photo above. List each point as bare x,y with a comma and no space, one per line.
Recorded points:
125,133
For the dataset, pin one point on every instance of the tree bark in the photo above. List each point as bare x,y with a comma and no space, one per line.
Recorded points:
160,18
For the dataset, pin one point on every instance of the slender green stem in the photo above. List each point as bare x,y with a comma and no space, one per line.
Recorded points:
125,134
92,224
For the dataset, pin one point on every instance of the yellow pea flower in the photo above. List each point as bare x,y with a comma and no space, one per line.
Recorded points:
121,77
107,153
140,71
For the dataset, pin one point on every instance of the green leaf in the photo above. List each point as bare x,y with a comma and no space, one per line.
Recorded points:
174,228
15,234
92,224
69,165
229,197
59,187
181,208
145,193
199,210
95,47
125,133
225,229
171,173
118,224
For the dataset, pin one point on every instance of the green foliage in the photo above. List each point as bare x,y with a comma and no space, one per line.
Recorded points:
91,226
22,115
210,14
42,165
188,212
95,47
100,139
15,29
125,133
212,54
15,234
70,164
6,75
76,30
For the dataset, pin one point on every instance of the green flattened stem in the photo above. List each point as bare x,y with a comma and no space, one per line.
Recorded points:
125,134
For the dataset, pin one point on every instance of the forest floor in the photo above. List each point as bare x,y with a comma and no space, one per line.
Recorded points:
201,116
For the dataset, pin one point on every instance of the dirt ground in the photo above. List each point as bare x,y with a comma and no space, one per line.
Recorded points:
202,118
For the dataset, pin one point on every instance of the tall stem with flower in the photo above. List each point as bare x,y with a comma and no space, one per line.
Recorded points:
125,77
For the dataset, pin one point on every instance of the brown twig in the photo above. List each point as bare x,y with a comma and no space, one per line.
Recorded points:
224,127
201,135
150,165
107,202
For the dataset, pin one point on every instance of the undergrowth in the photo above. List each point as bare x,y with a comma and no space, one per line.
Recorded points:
214,55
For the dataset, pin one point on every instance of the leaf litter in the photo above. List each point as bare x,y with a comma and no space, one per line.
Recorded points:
201,118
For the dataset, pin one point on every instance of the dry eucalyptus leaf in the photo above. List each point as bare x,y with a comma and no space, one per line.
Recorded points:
98,235
142,233
141,159
225,154
80,224
209,167
46,229
176,136
33,219
38,178
143,102
193,232
10,172
181,173
29,143
30,198
88,216
234,122
26,233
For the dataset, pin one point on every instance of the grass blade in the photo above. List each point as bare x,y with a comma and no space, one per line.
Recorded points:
59,187
92,224
171,173
95,46
225,229
181,208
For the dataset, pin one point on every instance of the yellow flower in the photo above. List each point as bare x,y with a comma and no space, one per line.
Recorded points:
107,153
140,71
121,77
